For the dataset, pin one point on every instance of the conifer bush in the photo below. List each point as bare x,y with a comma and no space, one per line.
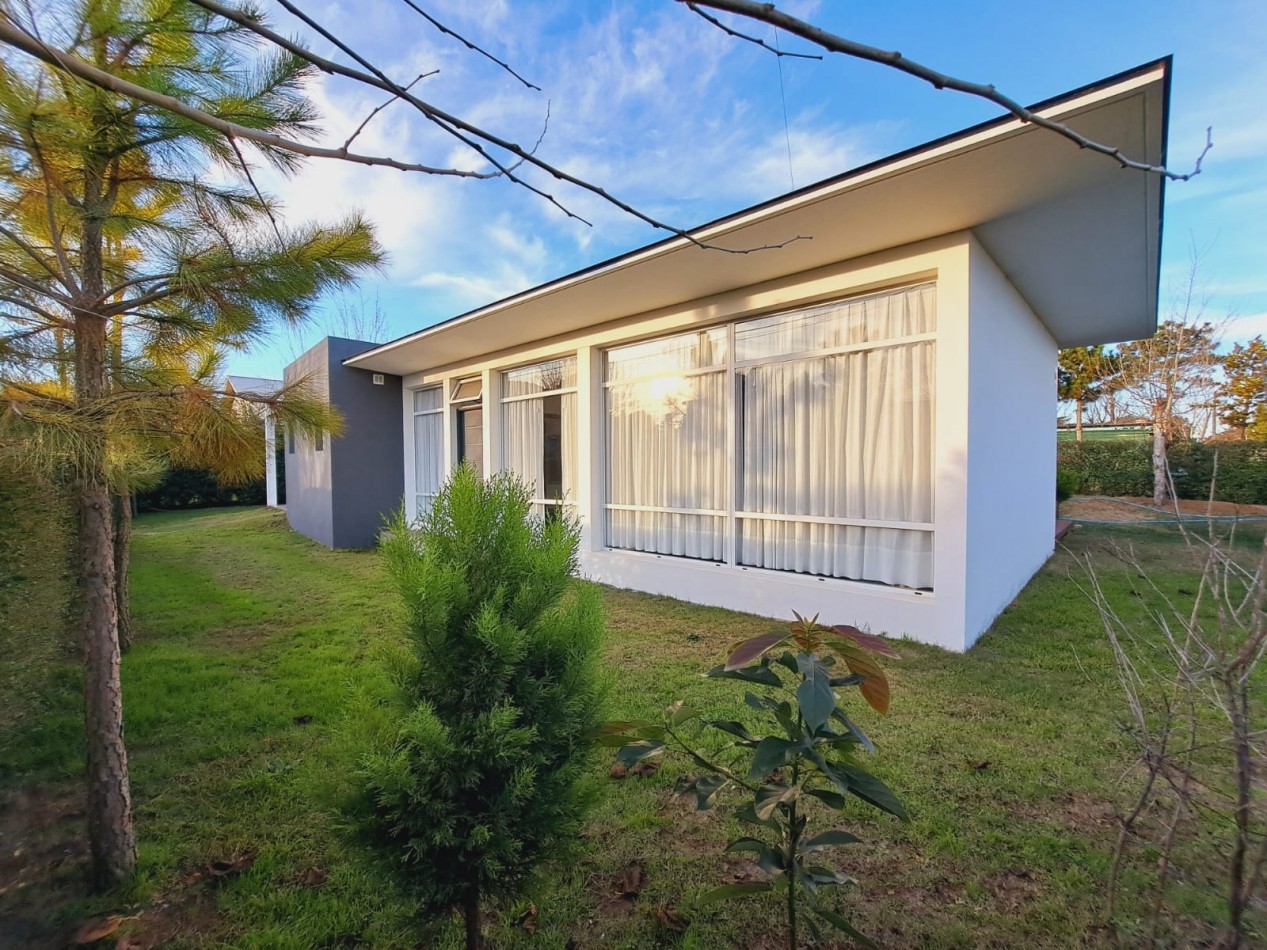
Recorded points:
501,696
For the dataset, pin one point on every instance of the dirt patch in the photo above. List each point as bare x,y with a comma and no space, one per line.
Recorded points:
1090,817
1134,510
44,862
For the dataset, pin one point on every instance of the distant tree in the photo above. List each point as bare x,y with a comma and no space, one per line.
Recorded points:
1082,376
1242,396
134,245
501,695
1167,376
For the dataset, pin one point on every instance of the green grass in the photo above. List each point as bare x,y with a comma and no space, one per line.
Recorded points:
259,670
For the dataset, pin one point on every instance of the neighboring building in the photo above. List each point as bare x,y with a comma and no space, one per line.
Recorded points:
339,489
853,425
259,386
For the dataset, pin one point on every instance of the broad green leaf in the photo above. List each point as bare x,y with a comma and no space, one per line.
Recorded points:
729,891
832,773
637,751
771,753
752,674
683,714
871,790
843,925
706,789
768,858
857,733
814,695
828,839
771,796
748,813
729,726
788,660
828,797
751,650
820,874
865,640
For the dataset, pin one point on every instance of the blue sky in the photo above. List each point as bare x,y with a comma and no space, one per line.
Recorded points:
662,109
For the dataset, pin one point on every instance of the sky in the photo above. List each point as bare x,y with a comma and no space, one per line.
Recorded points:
687,124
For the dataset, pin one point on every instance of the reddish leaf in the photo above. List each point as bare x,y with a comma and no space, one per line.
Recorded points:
619,771
528,919
98,928
749,651
314,877
643,769
875,685
631,879
866,640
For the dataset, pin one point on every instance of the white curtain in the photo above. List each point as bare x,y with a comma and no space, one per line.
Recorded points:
428,458
847,436
667,449
524,443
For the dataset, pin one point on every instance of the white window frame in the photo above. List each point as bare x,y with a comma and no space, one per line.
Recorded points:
566,390
730,366
413,439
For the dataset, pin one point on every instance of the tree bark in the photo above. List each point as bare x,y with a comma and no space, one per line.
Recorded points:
1161,489
110,831
474,930
1078,416
122,561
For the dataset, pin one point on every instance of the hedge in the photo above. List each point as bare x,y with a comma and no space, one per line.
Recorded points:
1126,468
197,488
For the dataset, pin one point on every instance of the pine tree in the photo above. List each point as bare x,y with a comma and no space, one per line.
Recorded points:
1081,377
120,216
1242,395
503,694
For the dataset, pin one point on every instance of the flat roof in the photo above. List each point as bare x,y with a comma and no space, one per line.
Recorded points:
1077,235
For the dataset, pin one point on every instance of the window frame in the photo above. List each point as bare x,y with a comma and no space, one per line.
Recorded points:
439,410
504,400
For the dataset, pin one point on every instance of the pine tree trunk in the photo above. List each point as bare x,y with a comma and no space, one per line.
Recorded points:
1160,488
122,561
110,833
1078,413
110,830
471,911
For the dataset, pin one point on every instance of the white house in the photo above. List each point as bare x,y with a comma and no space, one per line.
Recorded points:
259,386
856,424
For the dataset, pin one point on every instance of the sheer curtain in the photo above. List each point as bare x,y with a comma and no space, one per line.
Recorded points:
667,450
525,391
846,436
428,447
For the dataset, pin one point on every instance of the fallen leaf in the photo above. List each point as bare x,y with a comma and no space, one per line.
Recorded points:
983,764
528,919
645,768
302,720
314,877
619,771
97,928
670,919
232,867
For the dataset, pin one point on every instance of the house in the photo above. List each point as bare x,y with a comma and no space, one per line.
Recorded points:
855,424
339,488
259,386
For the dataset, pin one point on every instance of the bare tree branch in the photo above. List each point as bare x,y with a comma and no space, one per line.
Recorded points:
768,13
467,43
377,109
745,36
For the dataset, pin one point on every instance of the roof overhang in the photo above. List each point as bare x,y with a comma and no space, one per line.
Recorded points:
1078,235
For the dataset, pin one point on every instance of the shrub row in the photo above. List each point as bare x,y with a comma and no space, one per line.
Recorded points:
1126,468
197,488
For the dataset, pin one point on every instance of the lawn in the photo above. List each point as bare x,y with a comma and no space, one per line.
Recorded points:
259,669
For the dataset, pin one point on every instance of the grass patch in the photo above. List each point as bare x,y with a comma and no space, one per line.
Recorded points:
258,670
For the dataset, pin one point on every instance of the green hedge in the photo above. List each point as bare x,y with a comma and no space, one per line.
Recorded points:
1126,468
197,488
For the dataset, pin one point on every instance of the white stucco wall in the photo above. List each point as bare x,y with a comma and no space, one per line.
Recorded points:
1011,446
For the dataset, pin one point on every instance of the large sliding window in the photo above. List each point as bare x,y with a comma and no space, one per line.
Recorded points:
797,442
428,411
539,430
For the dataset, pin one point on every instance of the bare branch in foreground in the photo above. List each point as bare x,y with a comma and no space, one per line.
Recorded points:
731,31
769,14
467,43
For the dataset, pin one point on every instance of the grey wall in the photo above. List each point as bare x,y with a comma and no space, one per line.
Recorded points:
309,482
342,492
368,458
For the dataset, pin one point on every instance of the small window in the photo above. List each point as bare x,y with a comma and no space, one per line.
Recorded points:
467,390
